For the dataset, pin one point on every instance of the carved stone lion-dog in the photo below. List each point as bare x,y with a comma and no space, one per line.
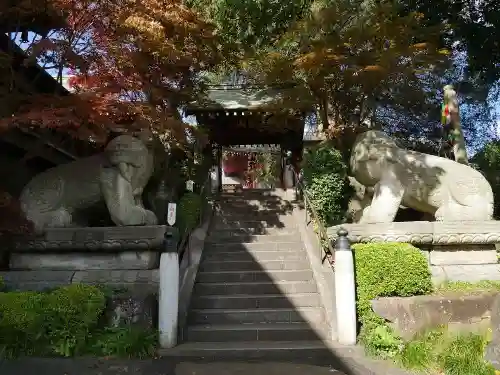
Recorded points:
431,184
56,198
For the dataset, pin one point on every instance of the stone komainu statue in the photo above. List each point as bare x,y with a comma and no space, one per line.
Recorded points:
60,196
442,187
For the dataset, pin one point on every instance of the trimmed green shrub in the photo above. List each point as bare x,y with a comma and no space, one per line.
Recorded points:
386,270
54,323
71,313
66,322
325,174
189,210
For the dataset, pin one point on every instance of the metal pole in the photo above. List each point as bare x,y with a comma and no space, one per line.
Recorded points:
345,290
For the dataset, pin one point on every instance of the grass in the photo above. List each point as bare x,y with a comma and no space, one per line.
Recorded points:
449,353
466,287
445,352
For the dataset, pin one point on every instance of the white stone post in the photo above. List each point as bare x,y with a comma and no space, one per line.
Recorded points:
168,298
345,290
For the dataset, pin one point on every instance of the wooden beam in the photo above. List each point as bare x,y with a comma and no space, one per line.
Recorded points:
29,142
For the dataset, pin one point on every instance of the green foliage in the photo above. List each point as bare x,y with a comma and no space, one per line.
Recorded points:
189,210
65,322
386,270
450,353
56,323
325,175
268,173
487,161
249,23
124,342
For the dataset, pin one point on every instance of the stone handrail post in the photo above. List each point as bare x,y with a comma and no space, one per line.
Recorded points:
345,290
168,296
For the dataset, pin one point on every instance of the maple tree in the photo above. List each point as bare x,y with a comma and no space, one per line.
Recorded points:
133,63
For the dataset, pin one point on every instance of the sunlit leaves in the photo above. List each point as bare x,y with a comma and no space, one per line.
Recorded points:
352,57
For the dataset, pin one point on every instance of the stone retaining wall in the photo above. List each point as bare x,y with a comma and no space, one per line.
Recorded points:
410,315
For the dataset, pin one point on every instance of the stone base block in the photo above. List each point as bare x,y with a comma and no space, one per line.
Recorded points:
144,281
35,280
125,278
127,260
462,254
468,273
411,315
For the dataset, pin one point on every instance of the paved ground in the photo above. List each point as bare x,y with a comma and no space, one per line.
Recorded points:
158,367
202,366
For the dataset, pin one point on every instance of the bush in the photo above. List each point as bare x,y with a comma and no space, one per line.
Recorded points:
65,322
189,210
124,342
487,161
325,174
57,323
386,270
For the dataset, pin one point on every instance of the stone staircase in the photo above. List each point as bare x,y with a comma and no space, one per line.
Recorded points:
254,293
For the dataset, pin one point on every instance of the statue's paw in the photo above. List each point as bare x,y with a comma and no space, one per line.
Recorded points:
150,218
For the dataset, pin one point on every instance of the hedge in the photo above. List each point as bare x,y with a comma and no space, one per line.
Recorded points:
386,270
487,161
325,175
67,321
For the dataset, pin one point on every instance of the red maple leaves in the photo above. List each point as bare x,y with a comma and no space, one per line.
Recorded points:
131,62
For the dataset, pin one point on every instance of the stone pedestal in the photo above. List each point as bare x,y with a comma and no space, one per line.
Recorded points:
456,251
103,248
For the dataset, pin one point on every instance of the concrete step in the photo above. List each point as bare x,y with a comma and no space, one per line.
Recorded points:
276,209
258,256
284,245
255,332
253,265
223,233
246,316
268,350
256,288
250,301
268,216
245,221
251,192
264,238
253,247
254,276
251,200
251,225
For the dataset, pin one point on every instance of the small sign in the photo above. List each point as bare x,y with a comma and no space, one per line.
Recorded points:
172,213
190,185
